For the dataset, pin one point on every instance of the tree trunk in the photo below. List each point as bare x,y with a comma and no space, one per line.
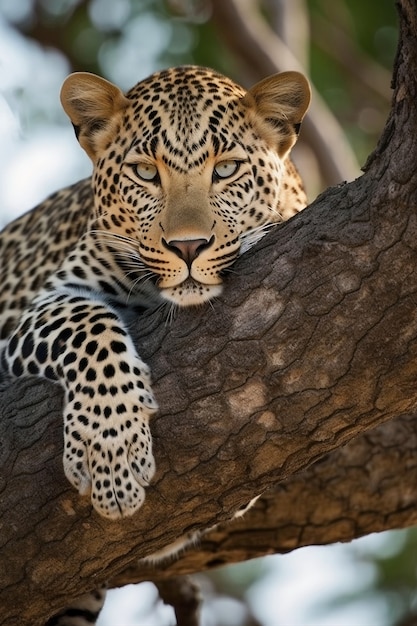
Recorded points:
312,345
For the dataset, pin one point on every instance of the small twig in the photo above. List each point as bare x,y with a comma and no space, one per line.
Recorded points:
410,619
255,43
183,594
345,50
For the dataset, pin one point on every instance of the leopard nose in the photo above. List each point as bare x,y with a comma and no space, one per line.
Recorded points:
188,249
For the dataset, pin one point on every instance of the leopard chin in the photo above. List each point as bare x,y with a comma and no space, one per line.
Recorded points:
191,293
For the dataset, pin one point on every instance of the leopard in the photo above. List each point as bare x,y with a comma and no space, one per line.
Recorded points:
189,171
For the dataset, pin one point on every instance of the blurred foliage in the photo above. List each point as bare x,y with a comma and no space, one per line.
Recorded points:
348,37
128,39
391,584
351,52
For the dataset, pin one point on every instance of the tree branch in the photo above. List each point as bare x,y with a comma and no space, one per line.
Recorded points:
313,343
290,22
349,493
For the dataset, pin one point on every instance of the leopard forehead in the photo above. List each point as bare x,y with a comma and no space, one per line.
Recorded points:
186,94
193,81
184,108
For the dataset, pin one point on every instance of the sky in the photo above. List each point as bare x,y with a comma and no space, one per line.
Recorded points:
39,154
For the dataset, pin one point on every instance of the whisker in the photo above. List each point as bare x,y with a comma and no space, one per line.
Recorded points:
251,237
116,238
171,313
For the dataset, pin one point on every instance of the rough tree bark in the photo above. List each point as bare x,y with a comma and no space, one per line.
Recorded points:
312,345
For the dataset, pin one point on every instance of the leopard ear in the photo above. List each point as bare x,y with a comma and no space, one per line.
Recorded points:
92,104
278,104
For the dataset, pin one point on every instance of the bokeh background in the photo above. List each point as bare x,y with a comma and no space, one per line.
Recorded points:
347,48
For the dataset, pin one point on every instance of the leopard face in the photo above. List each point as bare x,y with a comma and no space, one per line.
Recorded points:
189,169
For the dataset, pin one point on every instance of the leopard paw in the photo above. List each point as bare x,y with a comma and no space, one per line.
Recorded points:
108,448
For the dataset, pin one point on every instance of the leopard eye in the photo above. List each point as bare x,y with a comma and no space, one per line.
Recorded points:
225,169
146,171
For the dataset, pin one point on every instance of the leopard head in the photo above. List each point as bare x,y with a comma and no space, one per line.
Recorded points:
189,168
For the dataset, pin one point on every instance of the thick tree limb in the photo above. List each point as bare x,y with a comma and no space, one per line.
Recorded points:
313,343
350,493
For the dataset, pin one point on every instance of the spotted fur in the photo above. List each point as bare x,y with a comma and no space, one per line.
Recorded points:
189,171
